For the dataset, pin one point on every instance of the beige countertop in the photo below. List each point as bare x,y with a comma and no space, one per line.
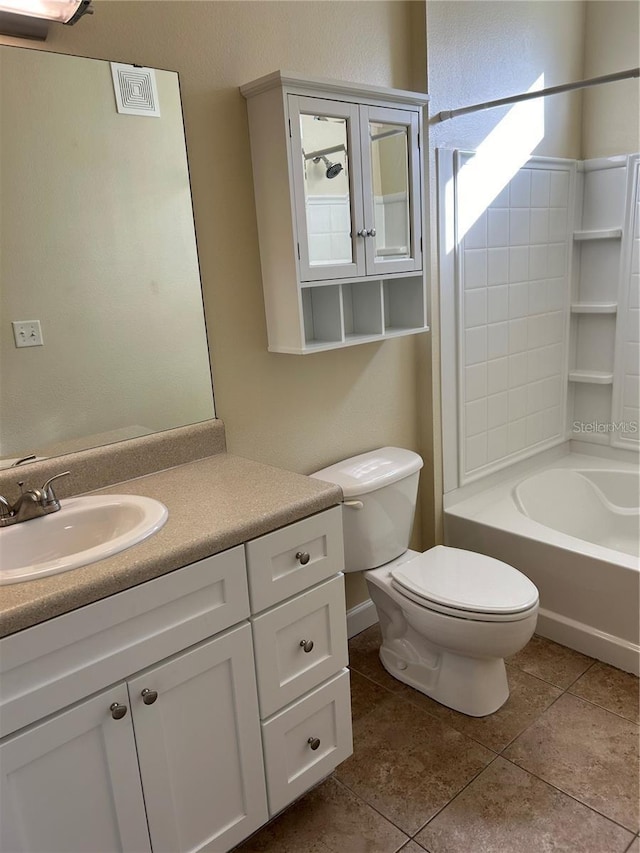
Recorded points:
214,503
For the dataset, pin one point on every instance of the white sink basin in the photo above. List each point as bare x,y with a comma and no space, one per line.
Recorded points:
84,530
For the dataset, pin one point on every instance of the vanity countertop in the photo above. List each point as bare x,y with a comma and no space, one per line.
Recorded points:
214,503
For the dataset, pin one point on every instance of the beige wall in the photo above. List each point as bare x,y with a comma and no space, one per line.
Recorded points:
297,412
611,122
487,49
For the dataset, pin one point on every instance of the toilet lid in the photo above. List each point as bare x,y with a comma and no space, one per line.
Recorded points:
466,581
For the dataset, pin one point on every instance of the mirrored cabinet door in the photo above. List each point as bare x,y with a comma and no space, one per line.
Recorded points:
391,190
324,135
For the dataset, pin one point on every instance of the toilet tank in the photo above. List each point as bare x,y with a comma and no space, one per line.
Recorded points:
380,490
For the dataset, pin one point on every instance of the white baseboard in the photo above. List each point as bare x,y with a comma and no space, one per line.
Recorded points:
589,641
361,617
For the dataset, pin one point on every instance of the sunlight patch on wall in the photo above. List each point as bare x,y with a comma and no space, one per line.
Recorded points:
498,158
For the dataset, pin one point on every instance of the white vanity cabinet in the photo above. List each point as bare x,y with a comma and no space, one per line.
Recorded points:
338,185
72,783
174,744
133,724
300,645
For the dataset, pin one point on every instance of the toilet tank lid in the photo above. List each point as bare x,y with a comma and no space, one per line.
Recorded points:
369,471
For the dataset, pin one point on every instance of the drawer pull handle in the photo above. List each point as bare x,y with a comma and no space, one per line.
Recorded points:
118,711
149,696
307,645
303,558
314,742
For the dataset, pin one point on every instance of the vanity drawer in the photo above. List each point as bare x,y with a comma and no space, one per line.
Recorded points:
322,719
314,621
290,560
56,663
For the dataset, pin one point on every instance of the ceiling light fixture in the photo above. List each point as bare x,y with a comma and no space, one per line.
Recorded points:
31,18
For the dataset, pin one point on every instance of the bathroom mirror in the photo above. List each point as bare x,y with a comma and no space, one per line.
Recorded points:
102,333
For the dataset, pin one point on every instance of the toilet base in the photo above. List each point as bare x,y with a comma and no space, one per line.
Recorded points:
476,687
457,662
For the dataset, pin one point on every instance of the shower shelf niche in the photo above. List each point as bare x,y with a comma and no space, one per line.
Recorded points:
592,377
598,234
594,307
599,299
340,204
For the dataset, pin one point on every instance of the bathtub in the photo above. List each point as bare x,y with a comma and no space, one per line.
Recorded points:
571,525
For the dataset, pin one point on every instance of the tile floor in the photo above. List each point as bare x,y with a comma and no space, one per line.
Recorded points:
555,769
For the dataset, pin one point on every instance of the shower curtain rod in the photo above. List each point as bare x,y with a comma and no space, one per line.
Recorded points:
541,93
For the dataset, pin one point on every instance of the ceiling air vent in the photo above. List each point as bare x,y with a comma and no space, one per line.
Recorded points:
135,90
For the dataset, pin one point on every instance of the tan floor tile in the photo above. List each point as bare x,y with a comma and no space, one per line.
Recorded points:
364,657
505,810
635,846
550,661
528,698
366,695
407,764
412,847
329,819
610,688
587,752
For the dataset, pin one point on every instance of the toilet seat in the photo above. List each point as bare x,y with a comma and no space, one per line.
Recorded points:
466,585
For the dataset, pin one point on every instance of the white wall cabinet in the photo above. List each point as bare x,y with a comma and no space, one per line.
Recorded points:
133,724
338,187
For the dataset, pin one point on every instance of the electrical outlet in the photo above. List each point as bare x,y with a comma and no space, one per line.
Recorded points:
27,333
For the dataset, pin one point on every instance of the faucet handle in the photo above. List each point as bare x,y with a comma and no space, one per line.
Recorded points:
5,508
48,495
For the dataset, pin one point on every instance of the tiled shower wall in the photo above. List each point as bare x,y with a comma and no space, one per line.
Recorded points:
512,317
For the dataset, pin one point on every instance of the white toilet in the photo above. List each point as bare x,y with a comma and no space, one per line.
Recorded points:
448,617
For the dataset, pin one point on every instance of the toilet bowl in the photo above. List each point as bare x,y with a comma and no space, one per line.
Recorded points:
448,617
453,651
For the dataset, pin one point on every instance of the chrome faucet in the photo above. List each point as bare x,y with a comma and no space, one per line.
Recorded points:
32,503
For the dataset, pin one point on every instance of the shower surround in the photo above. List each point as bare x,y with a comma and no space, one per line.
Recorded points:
540,313
540,305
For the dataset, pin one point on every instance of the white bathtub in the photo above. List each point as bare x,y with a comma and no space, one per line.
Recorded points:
573,527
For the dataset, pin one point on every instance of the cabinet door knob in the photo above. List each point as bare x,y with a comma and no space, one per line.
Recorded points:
303,557
362,233
118,711
314,742
307,645
371,232
149,696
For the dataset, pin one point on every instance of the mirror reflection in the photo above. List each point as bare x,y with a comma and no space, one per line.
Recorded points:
102,333
390,181
326,189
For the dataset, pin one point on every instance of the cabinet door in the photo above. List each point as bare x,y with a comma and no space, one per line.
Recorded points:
325,160
391,190
199,746
71,784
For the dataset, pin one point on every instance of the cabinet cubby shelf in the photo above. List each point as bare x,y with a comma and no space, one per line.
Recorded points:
598,234
591,377
594,307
